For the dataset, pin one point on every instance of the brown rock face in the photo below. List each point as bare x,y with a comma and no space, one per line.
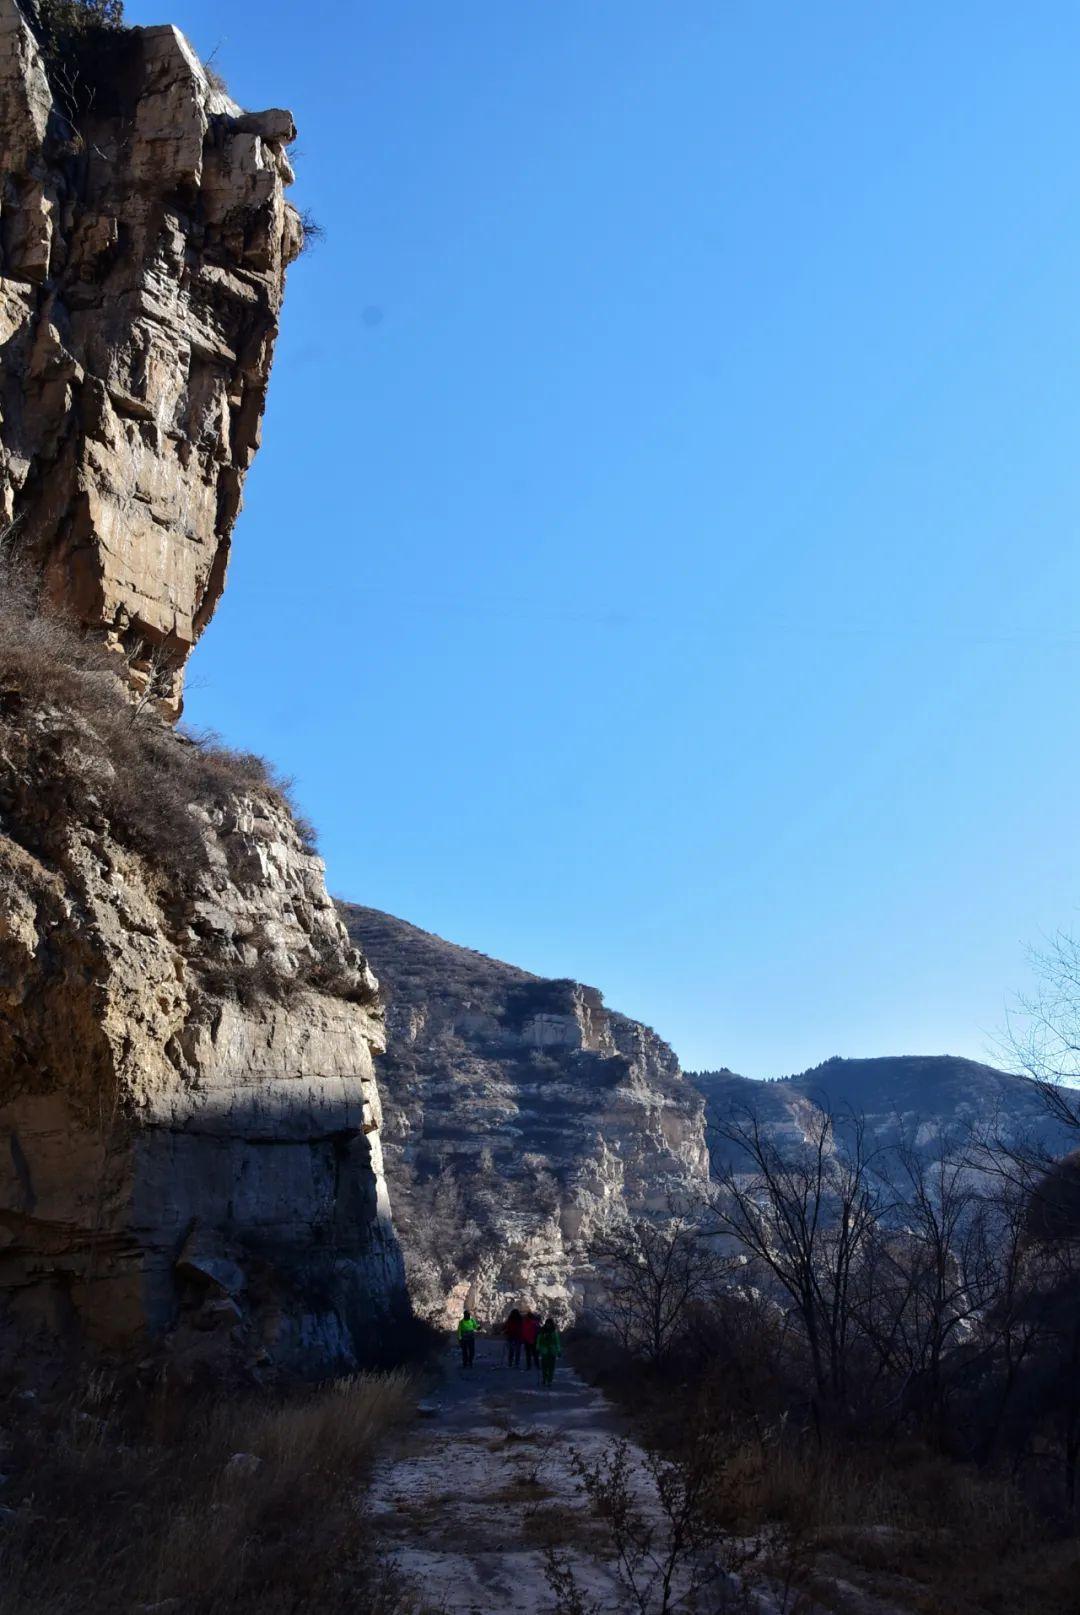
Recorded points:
189,1117
144,237
189,1120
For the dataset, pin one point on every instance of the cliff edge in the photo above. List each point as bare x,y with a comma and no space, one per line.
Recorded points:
144,237
189,1120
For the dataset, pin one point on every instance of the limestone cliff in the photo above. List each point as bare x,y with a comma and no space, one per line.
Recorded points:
521,1116
189,1119
144,236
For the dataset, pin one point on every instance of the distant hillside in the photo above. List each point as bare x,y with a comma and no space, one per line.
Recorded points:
918,1095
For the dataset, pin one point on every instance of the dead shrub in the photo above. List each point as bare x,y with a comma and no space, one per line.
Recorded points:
312,233
74,749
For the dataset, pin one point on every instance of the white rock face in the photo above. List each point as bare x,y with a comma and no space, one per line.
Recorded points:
914,1098
521,1116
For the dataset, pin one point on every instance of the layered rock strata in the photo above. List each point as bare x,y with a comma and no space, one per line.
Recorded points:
522,1117
144,236
189,1119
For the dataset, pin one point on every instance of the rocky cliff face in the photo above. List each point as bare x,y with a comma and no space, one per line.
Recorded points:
144,236
188,1110
521,1116
189,1119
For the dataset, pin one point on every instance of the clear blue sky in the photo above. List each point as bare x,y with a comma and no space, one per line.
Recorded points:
661,565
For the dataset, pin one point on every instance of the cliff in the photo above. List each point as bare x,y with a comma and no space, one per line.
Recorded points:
521,1116
144,236
189,1116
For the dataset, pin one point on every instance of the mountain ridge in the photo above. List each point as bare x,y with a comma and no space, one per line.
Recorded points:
912,1096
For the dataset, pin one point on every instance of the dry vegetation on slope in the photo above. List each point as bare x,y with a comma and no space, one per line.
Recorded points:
881,1389
251,1505
69,731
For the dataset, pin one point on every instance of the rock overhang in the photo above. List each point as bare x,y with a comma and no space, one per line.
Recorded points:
144,239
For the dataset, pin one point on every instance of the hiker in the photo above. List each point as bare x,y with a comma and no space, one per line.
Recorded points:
466,1333
512,1330
548,1348
530,1328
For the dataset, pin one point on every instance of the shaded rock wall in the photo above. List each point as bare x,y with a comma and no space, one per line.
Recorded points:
144,237
189,1119
521,1117
189,1144
189,1116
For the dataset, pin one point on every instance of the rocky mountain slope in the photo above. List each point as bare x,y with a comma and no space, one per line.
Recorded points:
919,1098
189,1116
520,1115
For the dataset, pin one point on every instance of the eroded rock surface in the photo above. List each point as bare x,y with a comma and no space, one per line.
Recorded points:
189,1144
188,1109
144,236
521,1116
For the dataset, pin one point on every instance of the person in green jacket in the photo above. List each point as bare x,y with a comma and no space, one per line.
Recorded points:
548,1349
466,1333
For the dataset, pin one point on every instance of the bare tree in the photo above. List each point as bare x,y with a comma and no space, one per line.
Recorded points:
804,1215
926,1275
1043,1034
653,1272
154,676
1013,1319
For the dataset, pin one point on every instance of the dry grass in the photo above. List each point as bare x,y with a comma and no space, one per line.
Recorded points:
938,1537
893,1518
74,748
520,1489
107,1520
557,1525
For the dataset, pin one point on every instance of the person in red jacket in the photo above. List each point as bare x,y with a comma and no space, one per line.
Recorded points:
530,1328
512,1330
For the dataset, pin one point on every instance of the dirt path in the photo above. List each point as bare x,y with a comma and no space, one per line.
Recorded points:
485,1481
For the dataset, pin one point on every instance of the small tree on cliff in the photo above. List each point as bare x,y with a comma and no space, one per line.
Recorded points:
68,32
68,17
